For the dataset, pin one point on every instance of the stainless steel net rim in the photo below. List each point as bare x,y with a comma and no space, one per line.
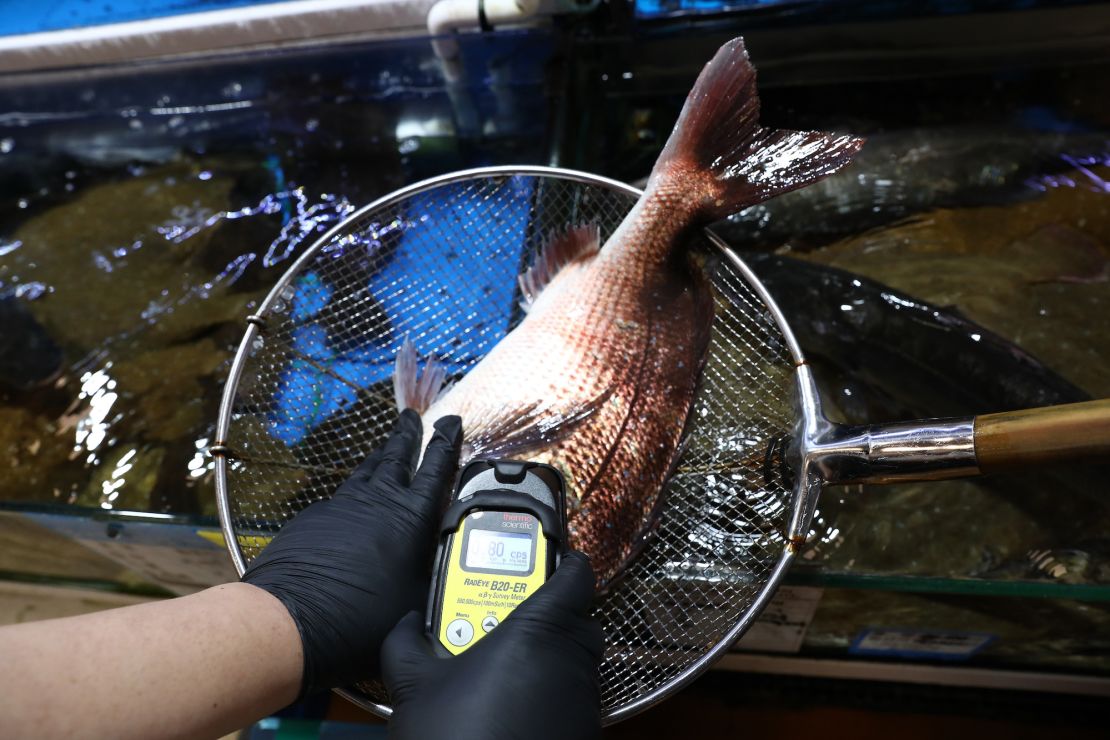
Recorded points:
805,487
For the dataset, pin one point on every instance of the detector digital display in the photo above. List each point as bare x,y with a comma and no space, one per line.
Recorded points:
489,550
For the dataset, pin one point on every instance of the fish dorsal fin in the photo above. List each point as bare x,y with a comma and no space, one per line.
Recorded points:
577,243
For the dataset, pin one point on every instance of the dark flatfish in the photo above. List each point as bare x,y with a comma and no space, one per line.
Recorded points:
903,173
877,334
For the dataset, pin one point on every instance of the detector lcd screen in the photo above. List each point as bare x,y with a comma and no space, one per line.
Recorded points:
489,550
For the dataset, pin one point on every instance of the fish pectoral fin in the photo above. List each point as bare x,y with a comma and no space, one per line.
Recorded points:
540,425
578,242
413,389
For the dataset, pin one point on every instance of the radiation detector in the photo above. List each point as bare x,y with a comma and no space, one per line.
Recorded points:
501,539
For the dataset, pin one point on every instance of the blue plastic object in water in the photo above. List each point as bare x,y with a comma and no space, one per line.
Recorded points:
458,321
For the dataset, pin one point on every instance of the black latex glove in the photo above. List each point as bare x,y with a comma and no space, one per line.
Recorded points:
347,568
534,677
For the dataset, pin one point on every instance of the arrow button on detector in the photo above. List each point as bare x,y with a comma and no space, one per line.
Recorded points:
460,632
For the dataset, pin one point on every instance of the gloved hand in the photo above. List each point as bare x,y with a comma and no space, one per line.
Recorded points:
347,568
534,677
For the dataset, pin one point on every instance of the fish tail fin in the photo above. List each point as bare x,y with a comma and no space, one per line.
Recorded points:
413,389
718,133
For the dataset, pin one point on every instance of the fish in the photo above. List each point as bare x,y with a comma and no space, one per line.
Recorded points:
886,338
1035,273
1088,561
880,354
599,377
907,172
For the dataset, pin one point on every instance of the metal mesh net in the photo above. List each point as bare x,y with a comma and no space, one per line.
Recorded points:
439,267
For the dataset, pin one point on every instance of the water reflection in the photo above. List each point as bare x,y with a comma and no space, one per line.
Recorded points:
1083,166
158,315
201,463
111,488
98,391
147,211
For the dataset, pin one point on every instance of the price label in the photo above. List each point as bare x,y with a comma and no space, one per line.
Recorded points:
782,625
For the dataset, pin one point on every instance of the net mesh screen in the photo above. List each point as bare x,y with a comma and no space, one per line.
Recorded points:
439,268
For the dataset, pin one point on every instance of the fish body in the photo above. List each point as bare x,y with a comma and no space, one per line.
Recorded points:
597,381
599,377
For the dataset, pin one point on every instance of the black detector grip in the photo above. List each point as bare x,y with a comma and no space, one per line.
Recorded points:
513,478
503,500
538,480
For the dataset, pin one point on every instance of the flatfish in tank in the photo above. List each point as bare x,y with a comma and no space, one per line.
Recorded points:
944,363
121,305
958,312
599,377
906,172
1036,272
